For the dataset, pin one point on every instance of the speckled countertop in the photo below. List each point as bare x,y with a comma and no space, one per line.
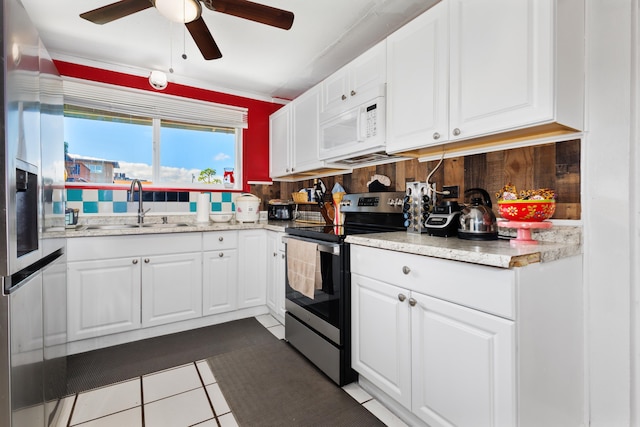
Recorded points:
555,243
186,225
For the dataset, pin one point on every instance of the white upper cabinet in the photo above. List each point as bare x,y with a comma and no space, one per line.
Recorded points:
305,112
418,80
280,142
500,65
357,82
294,136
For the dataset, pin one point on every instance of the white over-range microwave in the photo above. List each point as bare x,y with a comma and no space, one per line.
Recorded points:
354,132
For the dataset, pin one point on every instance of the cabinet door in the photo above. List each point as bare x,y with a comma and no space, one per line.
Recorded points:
171,288
463,365
252,277
418,81
501,65
381,347
275,275
367,74
279,142
281,271
103,297
306,133
272,261
335,89
219,281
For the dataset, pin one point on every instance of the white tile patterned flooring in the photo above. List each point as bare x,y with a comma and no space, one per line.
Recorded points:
186,395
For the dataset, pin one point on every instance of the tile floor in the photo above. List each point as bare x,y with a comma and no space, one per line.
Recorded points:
186,395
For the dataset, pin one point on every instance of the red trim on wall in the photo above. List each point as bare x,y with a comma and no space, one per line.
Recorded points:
255,147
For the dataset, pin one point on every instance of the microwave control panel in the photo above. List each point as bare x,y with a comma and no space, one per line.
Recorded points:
371,120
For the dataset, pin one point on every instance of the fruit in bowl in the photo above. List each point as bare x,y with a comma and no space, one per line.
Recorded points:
528,205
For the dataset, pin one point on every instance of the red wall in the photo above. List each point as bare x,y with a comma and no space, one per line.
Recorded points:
255,147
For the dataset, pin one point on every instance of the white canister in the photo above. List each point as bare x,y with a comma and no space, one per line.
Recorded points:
247,208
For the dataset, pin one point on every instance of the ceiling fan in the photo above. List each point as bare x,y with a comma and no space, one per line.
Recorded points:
189,12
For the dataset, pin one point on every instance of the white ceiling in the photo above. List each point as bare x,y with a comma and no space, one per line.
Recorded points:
258,61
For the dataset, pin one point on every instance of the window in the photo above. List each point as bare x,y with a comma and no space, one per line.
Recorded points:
156,139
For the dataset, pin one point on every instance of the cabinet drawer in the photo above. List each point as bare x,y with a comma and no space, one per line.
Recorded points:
101,247
214,240
488,289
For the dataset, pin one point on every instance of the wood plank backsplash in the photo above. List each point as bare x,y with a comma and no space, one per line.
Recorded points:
555,165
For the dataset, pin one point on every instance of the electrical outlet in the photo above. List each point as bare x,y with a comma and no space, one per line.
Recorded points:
453,190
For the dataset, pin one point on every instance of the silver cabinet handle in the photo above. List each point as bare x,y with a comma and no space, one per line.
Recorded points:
402,297
353,93
292,169
406,270
456,131
220,239
221,254
282,256
275,254
146,260
135,261
412,302
287,170
344,97
436,135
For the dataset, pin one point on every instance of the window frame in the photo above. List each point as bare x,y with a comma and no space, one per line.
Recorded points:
158,107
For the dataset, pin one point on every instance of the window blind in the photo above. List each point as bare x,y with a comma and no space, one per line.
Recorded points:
142,103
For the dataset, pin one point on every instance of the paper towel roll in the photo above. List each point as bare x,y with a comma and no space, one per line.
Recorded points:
203,207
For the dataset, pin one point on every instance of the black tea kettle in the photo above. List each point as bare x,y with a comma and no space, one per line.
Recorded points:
477,220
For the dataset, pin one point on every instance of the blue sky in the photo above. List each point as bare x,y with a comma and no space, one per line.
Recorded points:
183,152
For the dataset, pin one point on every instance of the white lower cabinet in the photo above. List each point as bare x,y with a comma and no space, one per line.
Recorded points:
171,288
276,270
220,272
121,283
252,275
103,297
457,344
462,365
448,364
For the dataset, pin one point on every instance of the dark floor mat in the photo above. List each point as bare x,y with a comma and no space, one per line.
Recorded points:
273,385
98,368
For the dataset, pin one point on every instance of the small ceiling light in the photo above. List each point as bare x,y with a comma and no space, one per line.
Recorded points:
181,11
16,54
158,80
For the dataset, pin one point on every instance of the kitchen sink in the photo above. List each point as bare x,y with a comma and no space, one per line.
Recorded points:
172,225
110,226
125,226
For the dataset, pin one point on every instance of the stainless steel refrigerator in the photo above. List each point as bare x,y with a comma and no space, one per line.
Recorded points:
32,243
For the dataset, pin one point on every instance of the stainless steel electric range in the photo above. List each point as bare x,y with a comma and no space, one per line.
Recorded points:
318,322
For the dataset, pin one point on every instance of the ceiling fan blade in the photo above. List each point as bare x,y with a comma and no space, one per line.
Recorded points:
114,11
203,38
253,11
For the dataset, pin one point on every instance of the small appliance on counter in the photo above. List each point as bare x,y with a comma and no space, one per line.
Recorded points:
281,209
444,220
417,206
247,208
477,220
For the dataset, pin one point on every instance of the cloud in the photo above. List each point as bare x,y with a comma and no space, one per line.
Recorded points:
221,156
168,175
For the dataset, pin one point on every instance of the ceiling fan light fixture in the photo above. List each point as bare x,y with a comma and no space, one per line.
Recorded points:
180,11
158,80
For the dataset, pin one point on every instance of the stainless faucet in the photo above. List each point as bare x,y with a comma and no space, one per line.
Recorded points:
141,211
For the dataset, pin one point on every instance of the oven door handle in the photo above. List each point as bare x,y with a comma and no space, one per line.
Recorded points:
331,248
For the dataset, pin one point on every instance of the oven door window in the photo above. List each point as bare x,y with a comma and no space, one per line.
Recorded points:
326,299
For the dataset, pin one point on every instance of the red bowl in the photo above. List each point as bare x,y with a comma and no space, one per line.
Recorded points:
526,210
